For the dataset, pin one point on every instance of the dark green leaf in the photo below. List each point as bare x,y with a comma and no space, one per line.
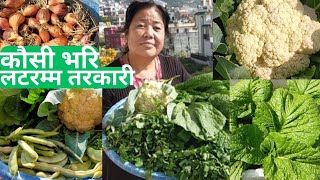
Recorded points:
311,87
215,11
266,118
117,117
77,142
217,36
221,102
298,115
16,108
246,148
292,160
222,48
229,70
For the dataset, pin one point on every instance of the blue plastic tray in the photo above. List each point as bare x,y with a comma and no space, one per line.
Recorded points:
6,175
115,158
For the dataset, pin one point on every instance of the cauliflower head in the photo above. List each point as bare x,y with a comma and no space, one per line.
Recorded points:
81,109
273,38
154,94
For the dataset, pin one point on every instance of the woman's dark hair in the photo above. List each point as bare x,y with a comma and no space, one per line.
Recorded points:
139,5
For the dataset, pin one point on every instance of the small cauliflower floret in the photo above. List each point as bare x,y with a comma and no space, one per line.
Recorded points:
154,94
273,38
81,109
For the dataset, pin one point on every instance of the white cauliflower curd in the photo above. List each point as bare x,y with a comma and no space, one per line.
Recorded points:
81,109
154,94
273,38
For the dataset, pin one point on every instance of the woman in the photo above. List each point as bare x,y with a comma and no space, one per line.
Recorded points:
145,29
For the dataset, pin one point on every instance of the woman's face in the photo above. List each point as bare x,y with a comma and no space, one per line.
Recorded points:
146,33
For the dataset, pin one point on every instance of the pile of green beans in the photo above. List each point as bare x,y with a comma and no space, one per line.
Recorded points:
30,151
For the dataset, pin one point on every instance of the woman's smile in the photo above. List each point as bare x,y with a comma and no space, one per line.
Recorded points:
148,44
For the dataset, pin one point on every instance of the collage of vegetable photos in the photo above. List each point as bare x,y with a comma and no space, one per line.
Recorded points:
160,89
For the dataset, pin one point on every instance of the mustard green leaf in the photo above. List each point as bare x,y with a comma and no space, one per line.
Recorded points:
292,159
297,115
245,144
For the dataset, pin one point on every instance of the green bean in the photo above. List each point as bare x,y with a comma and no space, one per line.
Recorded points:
67,172
62,163
80,166
26,160
27,171
45,175
43,148
67,150
14,133
48,134
39,141
49,153
4,141
6,149
13,161
85,158
94,155
31,131
97,174
28,149
4,158
54,159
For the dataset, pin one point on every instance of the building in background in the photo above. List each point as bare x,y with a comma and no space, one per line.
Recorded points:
114,38
183,38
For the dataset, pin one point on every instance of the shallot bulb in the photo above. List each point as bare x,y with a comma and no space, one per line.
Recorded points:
60,9
55,31
60,41
55,20
35,39
71,18
33,23
24,30
6,12
20,41
15,20
10,35
68,28
51,2
44,35
14,4
4,23
30,10
43,15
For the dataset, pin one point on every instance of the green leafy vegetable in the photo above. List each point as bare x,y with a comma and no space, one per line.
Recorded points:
311,87
246,148
291,159
229,70
189,140
77,142
34,96
246,93
297,115
282,134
